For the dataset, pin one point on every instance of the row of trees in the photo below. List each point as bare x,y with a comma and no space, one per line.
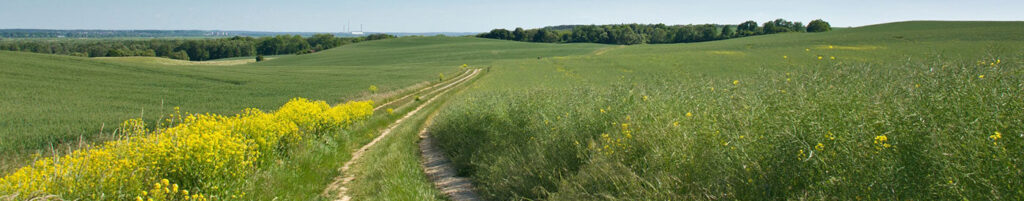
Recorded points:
628,34
185,49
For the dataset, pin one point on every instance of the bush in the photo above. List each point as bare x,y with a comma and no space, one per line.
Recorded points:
818,25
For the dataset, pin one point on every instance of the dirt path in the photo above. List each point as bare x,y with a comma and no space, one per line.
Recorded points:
414,93
440,171
337,188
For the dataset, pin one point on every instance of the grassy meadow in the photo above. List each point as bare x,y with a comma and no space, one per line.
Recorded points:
911,110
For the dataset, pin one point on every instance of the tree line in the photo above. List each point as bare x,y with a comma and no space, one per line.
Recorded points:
185,49
628,34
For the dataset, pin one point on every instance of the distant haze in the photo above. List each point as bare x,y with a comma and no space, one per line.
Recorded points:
468,15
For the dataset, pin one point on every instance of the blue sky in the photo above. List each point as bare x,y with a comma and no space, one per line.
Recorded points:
470,16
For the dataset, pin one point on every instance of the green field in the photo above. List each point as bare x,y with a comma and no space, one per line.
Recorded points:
50,100
908,110
905,111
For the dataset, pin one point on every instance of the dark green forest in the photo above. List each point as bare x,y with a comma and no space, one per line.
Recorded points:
185,49
628,34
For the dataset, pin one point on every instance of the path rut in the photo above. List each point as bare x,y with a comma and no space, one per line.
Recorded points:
337,188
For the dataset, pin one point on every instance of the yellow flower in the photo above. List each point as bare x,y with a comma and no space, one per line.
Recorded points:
996,136
602,110
807,49
785,57
832,57
882,140
819,147
735,82
981,76
819,57
830,47
137,198
645,98
689,114
675,124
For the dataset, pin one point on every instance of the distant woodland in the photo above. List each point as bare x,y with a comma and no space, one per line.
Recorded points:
185,49
628,34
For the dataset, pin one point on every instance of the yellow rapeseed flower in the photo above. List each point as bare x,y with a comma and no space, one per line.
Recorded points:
996,136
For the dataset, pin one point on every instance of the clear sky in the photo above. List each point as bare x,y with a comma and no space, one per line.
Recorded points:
469,15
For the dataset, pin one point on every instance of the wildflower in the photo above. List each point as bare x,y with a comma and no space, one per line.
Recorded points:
602,110
832,57
830,136
373,88
390,111
645,98
807,49
735,82
831,47
981,76
801,154
676,124
998,61
819,57
689,114
882,141
995,137
819,147
138,198
785,57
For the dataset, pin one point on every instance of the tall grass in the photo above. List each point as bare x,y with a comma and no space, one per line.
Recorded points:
945,129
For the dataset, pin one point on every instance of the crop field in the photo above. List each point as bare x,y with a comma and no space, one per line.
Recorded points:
52,100
913,110
916,110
